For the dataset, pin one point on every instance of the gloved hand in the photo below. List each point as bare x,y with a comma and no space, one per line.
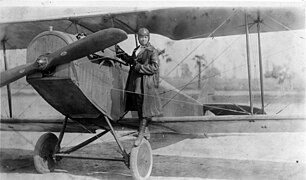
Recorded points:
133,62
136,66
119,51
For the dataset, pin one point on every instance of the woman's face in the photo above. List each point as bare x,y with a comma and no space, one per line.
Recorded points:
143,40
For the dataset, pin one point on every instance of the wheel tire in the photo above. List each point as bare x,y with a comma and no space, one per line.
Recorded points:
141,161
44,150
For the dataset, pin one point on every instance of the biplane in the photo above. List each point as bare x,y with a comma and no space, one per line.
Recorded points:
84,80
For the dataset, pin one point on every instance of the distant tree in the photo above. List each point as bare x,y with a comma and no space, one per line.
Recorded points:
210,80
169,71
169,43
200,62
168,60
186,73
164,55
211,72
162,52
282,74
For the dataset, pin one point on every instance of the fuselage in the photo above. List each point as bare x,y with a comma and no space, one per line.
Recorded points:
87,88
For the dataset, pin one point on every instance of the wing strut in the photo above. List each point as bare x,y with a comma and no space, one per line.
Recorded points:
136,42
248,60
9,95
260,63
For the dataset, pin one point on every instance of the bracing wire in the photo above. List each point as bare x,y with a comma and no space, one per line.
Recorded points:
282,51
67,145
5,97
84,127
279,52
5,113
163,98
28,107
204,78
210,62
225,21
204,69
283,108
212,33
131,92
281,24
15,93
215,59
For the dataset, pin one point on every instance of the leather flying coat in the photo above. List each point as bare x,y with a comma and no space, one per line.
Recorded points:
143,80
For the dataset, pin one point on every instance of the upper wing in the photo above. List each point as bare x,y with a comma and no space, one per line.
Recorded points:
175,23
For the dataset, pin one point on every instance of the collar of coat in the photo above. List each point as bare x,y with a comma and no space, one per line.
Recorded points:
148,46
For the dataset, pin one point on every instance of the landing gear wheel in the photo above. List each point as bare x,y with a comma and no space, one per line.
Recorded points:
43,153
141,161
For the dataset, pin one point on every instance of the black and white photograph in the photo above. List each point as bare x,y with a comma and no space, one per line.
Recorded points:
152,90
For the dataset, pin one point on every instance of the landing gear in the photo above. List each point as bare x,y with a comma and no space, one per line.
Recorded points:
47,152
141,160
43,153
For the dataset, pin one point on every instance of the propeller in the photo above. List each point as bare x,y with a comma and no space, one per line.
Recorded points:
76,50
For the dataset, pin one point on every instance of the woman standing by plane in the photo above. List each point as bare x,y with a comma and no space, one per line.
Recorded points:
142,83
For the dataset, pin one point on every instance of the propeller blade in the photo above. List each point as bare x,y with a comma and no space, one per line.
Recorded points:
92,43
16,73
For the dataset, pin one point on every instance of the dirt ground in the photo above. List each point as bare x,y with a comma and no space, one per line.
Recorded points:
234,156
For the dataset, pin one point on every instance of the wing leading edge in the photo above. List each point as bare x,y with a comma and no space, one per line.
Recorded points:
198,125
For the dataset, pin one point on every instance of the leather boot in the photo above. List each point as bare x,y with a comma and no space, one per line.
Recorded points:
142,129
